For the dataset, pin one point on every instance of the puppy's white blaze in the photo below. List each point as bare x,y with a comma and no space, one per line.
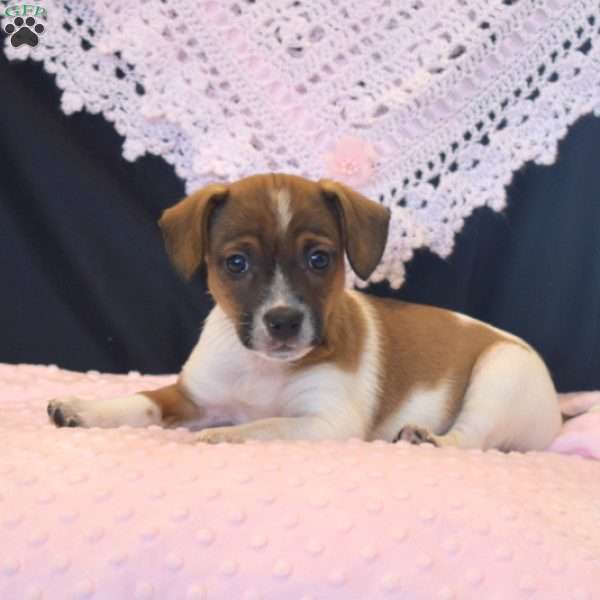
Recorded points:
282,200
281,294
425,407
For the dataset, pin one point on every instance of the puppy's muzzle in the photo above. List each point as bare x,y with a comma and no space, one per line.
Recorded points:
283,323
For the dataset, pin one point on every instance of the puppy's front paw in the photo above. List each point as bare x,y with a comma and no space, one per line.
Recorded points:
415,435
135,411
63,412
221,435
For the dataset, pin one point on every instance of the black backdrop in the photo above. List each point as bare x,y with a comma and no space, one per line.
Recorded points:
85,283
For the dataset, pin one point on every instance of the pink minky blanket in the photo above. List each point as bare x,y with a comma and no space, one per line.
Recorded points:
145,514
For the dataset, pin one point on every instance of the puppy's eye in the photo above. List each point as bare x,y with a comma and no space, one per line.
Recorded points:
318,260
236,264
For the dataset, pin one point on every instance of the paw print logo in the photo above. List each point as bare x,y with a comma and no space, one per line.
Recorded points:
24,31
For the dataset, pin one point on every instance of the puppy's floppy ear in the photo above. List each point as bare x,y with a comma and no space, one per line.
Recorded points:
185,228
364,225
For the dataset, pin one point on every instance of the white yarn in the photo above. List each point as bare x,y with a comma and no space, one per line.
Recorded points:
428,105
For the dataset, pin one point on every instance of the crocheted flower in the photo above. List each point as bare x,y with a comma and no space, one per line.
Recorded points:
351,161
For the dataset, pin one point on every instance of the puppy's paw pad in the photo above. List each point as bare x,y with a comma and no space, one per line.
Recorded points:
415,435
62,414
220,435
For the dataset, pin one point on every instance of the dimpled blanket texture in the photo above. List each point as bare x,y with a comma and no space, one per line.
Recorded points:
147,514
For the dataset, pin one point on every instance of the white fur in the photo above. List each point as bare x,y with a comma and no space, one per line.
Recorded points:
233,383
268,400
283,208
425,407
136,411
281,294
510,403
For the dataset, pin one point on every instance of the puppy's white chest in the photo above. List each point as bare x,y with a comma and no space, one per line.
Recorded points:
228,380
257,392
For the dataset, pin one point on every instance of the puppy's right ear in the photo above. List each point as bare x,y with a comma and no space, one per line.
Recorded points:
185,228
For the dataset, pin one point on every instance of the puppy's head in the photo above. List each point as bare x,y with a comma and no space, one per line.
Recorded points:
274,250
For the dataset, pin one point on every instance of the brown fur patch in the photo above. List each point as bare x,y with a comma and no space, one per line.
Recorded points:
425,347
173,403
184,227
344,339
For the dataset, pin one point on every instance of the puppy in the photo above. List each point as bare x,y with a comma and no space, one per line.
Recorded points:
289,353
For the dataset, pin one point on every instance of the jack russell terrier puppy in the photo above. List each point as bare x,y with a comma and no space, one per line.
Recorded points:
289,353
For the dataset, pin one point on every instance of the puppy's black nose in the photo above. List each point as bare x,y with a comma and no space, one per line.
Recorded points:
283,322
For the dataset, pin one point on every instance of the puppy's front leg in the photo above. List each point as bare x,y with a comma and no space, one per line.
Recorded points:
310,428
165,406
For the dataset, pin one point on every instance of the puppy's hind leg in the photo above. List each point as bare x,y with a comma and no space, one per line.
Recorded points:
510,404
